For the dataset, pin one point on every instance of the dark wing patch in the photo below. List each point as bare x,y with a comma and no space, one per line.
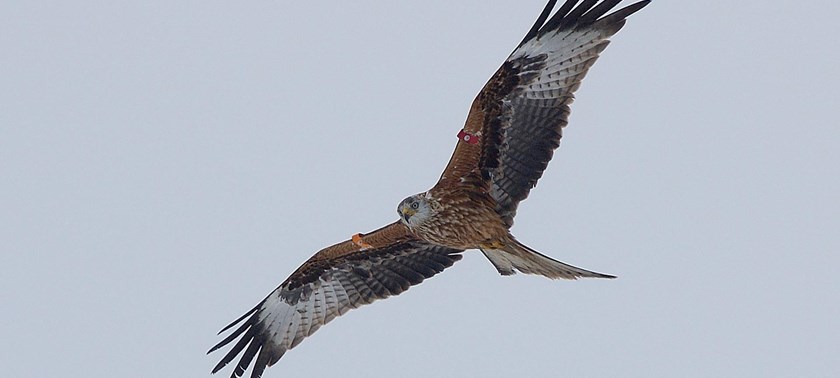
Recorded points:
547,68
323,289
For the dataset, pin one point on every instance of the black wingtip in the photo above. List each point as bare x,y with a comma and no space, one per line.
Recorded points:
598,11
576,14
233,352
624,12
246,326
235,322
572,14
535,29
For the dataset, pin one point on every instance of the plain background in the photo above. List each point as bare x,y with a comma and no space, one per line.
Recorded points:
166,164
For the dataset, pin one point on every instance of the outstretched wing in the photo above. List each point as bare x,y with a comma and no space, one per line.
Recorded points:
335,280
516,121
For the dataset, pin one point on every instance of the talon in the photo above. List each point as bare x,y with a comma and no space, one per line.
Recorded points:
496,244
357,240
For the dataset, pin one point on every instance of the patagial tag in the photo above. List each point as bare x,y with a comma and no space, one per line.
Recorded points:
467,137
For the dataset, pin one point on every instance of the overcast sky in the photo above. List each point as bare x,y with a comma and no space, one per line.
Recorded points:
166,164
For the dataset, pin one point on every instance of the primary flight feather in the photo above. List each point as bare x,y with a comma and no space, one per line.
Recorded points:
512,129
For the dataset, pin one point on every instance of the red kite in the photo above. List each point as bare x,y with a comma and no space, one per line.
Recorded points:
513,127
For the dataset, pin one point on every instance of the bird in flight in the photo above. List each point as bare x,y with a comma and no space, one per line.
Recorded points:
512,129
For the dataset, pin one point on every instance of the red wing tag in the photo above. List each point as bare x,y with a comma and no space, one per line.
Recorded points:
467,137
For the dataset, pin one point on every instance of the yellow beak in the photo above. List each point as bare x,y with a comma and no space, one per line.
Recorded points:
408,212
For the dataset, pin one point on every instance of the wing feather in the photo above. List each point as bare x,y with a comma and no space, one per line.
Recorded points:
521,111
329,284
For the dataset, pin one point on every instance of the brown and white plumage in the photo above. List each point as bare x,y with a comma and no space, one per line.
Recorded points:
335,280
521,111
513,127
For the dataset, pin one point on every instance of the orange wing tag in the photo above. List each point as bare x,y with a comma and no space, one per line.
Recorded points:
357,240
467,137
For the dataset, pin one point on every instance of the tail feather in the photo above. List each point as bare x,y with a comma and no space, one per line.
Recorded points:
515,256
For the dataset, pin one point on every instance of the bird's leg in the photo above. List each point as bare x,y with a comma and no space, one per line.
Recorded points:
495,244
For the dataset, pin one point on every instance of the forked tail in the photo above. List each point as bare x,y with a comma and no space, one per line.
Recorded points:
515,256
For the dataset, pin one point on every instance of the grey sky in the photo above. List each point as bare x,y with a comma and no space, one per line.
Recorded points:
165,165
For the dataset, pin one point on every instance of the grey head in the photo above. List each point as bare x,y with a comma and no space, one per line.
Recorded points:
414,210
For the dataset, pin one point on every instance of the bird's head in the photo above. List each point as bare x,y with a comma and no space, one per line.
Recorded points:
414,210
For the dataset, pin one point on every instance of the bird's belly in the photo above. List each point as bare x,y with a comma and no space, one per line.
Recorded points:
464,229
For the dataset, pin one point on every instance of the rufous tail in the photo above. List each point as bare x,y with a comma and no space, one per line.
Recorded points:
514,256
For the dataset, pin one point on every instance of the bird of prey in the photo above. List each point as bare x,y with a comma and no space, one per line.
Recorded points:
512,129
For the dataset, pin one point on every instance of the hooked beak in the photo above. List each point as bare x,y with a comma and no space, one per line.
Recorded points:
408,212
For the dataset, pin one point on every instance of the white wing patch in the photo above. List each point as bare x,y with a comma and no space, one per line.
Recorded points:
289,323
568,56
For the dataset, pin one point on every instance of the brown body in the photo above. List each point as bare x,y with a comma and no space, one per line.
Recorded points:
465,220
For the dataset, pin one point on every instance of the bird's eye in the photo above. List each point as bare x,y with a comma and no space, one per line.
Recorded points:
415,205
